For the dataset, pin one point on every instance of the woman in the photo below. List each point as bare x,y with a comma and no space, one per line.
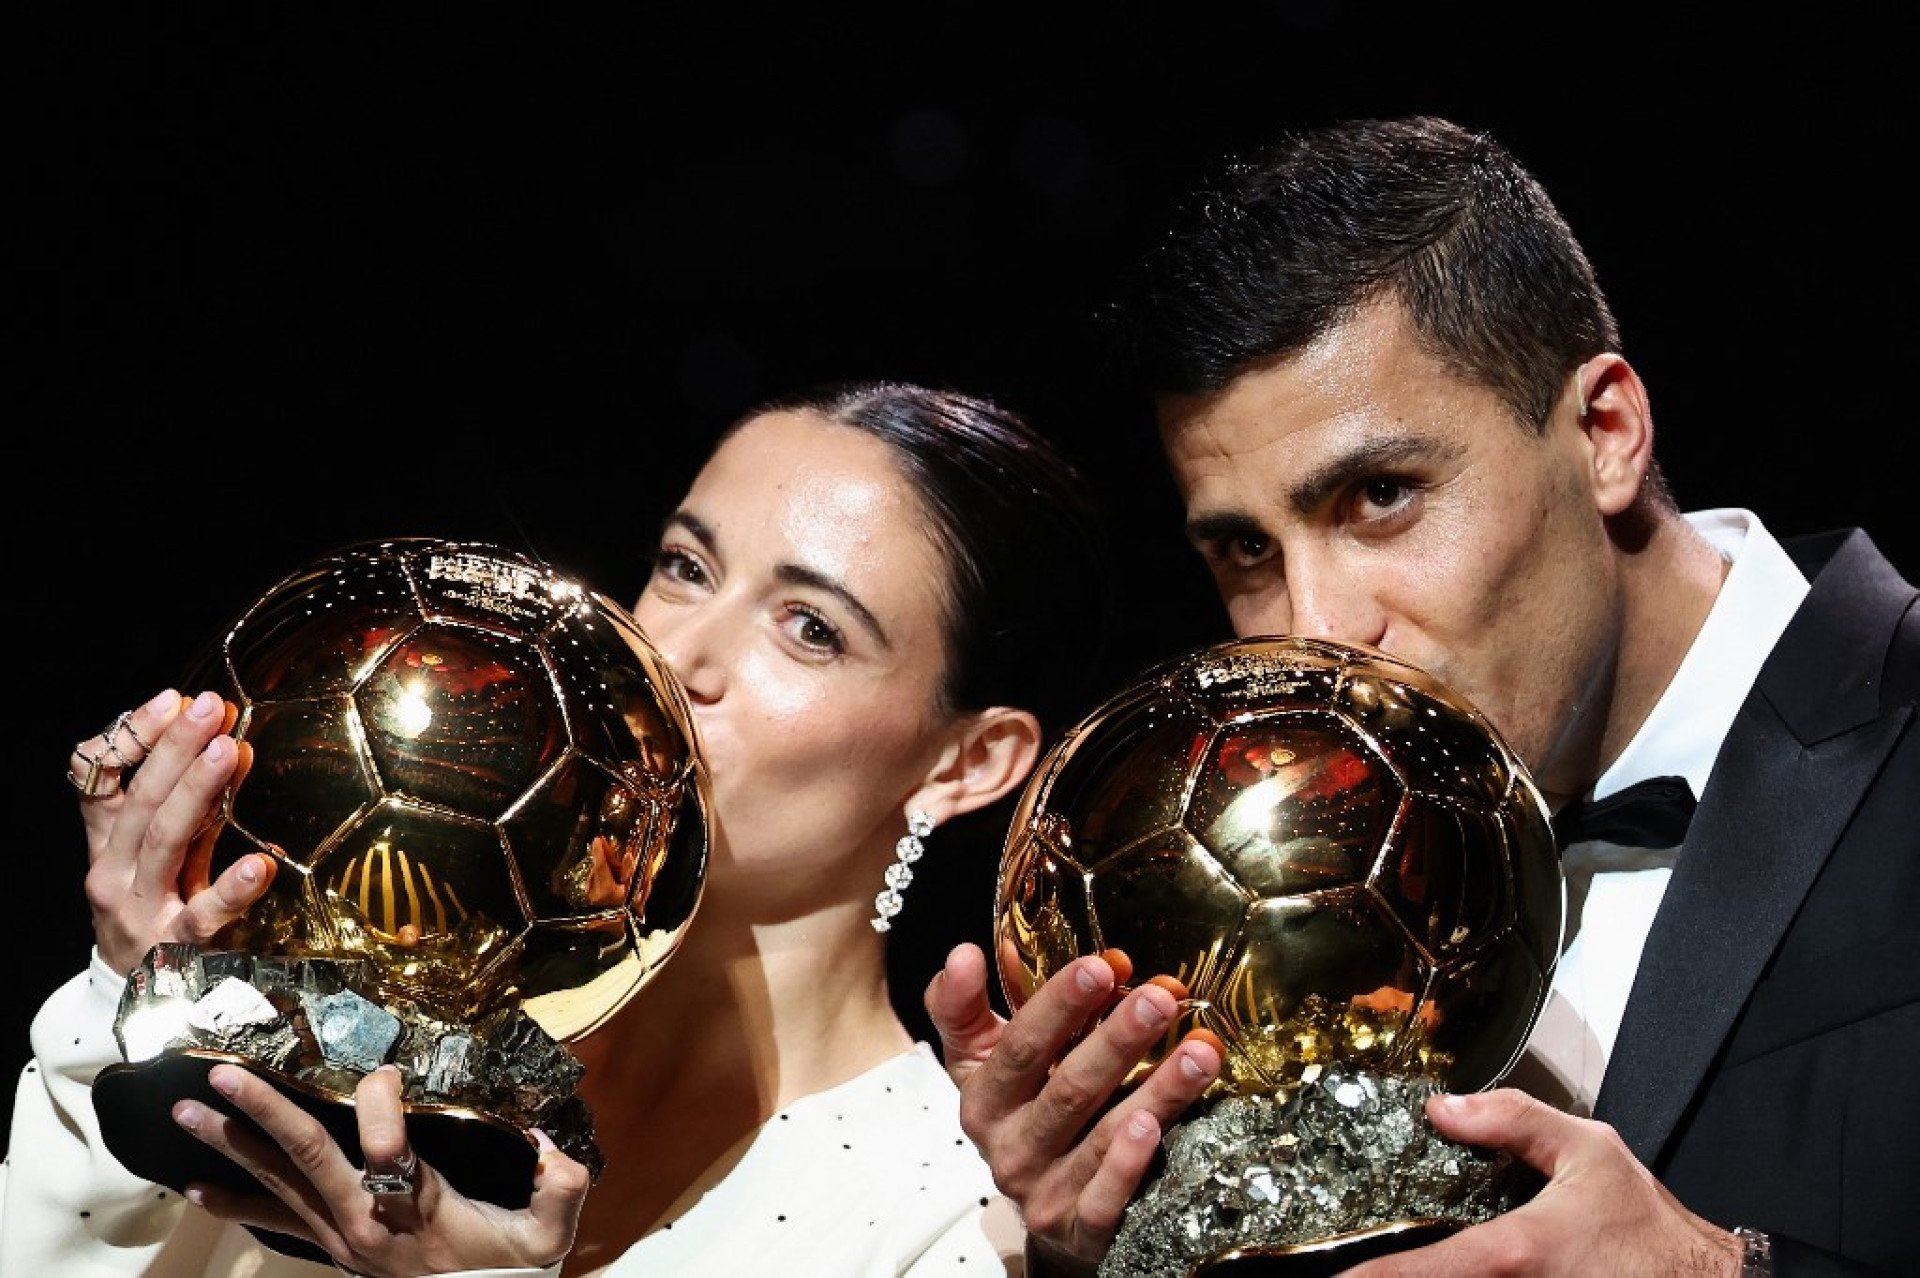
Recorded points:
878,600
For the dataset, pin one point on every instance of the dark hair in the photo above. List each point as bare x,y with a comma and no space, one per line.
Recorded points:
1028,595
1276,248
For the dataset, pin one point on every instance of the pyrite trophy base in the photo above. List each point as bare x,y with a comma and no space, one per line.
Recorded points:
313,1028
1310,1181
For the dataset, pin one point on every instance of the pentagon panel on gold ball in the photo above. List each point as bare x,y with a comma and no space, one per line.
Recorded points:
483,793
1357,884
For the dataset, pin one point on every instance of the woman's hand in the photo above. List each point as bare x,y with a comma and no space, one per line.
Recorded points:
156,777
316,1192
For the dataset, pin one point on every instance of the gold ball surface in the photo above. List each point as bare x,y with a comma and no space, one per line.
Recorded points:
1334,853
471,770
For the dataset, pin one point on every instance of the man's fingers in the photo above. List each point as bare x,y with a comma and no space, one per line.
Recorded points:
1122,1166
1084,1082
956,1001
1509,1119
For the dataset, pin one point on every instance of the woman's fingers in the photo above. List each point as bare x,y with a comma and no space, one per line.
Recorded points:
100,765
281,1146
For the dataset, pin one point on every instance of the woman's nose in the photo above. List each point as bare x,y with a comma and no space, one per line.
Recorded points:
689,645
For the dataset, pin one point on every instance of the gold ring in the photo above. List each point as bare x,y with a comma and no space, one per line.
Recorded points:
93,785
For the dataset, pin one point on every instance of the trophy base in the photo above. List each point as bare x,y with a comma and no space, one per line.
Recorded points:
1309,1181
483,1158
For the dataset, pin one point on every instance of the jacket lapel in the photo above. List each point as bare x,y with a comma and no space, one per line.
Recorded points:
1799,757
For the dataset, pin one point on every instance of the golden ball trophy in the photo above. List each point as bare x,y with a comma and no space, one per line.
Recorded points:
1357,884
482,792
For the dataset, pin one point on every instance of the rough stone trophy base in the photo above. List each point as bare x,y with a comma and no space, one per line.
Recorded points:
312,1029
1310,1181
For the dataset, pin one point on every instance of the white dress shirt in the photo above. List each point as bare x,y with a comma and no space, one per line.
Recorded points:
1612,891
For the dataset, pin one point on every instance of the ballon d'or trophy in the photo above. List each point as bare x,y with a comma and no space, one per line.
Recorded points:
1357,884
481,787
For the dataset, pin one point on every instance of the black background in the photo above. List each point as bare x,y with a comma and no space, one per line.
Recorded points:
288,276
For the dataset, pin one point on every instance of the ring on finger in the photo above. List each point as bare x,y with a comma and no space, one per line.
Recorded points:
126,721
107,734
99,772
392,1183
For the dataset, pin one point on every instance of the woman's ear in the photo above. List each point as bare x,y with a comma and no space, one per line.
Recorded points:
991,753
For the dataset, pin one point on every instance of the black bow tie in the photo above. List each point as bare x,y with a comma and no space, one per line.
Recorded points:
1647,814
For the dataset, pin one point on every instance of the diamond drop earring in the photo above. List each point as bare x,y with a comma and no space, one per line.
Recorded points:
909,849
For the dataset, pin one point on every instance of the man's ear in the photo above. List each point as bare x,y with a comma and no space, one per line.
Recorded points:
991,753
1611,408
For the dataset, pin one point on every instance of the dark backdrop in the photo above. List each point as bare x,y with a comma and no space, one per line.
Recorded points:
287,276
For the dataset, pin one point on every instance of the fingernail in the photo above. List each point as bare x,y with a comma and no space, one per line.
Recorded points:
1084,977
189,1116
1448,1101
204,706
1140,1125
219,750
1149,1012
1191,1068
223,1081
162,703
249,869
196,1195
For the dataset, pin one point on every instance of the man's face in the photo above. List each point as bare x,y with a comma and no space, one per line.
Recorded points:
1359,491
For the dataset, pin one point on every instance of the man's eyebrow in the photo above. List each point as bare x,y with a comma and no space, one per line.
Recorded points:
1314,489
1365,459
801,575
1221,526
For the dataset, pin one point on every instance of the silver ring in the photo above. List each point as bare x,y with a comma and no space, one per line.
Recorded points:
93,785
122,720
126,721
393,1183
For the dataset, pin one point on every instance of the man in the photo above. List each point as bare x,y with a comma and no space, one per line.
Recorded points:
1392,397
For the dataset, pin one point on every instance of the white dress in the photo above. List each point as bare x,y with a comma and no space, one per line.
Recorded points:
873,1177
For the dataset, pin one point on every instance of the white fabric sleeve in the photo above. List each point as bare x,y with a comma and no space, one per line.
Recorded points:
68,1209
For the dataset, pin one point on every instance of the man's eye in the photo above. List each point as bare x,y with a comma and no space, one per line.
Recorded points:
1382,496
1248,549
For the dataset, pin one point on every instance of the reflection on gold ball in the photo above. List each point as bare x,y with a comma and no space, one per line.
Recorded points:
472,771
1336,855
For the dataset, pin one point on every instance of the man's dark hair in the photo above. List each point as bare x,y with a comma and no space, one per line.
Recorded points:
1277,247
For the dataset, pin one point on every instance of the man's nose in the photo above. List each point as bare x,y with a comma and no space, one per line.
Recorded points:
1331,604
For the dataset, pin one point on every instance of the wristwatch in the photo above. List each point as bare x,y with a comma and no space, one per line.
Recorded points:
1756,1253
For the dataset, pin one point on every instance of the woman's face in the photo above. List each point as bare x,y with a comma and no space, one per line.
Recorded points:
798,596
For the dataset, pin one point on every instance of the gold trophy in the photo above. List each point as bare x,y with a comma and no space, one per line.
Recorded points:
481,787
1357,883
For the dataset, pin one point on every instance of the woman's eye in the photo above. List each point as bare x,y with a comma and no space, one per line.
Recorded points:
678,565
813,630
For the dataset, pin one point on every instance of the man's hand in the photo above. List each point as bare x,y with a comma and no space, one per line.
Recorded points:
1045,1117
1600,1212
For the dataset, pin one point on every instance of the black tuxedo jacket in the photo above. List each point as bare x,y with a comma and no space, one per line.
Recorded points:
1767,1069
